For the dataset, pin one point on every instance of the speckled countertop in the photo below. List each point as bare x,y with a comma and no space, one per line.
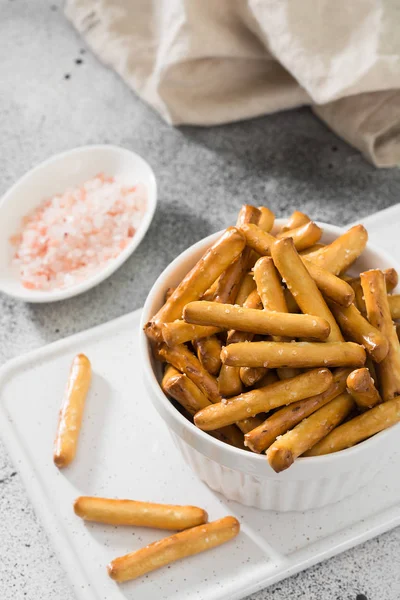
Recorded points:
55,95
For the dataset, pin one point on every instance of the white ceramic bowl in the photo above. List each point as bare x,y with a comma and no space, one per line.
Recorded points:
247,477
63,171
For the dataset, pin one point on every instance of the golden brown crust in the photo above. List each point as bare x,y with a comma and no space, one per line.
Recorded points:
263,399
141,514
296,219
358,329
168,550
255,321
185,361
361,386
303,355
303,237
302,285
360,428
71,412
288,417
284,451
378,311
342,252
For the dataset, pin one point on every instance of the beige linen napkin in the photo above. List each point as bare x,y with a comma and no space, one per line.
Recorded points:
206,62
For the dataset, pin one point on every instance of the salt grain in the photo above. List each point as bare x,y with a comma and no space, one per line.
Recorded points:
69,237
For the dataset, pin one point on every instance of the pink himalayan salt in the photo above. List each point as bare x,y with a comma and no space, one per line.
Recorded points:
69,237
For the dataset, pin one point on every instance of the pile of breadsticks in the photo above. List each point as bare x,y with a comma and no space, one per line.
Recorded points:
271,346
195,533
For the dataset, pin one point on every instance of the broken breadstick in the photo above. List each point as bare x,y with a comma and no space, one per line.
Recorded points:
342,252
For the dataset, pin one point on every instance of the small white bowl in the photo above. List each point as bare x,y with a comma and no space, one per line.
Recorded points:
247,477
55,175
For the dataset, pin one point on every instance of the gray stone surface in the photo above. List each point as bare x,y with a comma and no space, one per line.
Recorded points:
289,160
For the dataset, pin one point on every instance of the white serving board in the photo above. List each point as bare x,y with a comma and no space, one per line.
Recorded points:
126,451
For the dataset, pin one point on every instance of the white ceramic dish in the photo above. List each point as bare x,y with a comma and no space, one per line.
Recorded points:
55,175
247,477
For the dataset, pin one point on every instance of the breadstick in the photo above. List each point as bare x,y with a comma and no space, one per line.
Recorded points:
378,311
332,287
361,386
254,302
210,293
246,287
166,551
214,262
287,417
358,295
248,214
229,382
267,218
311,249
342,252
302,285
269,285
296,219
263,399
182,359
183,390
391,279
303,237
255,321
250,375
209,353
71,412
360,428
179,332
293,354
259,240
142,514
394,305
284,451
359,330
